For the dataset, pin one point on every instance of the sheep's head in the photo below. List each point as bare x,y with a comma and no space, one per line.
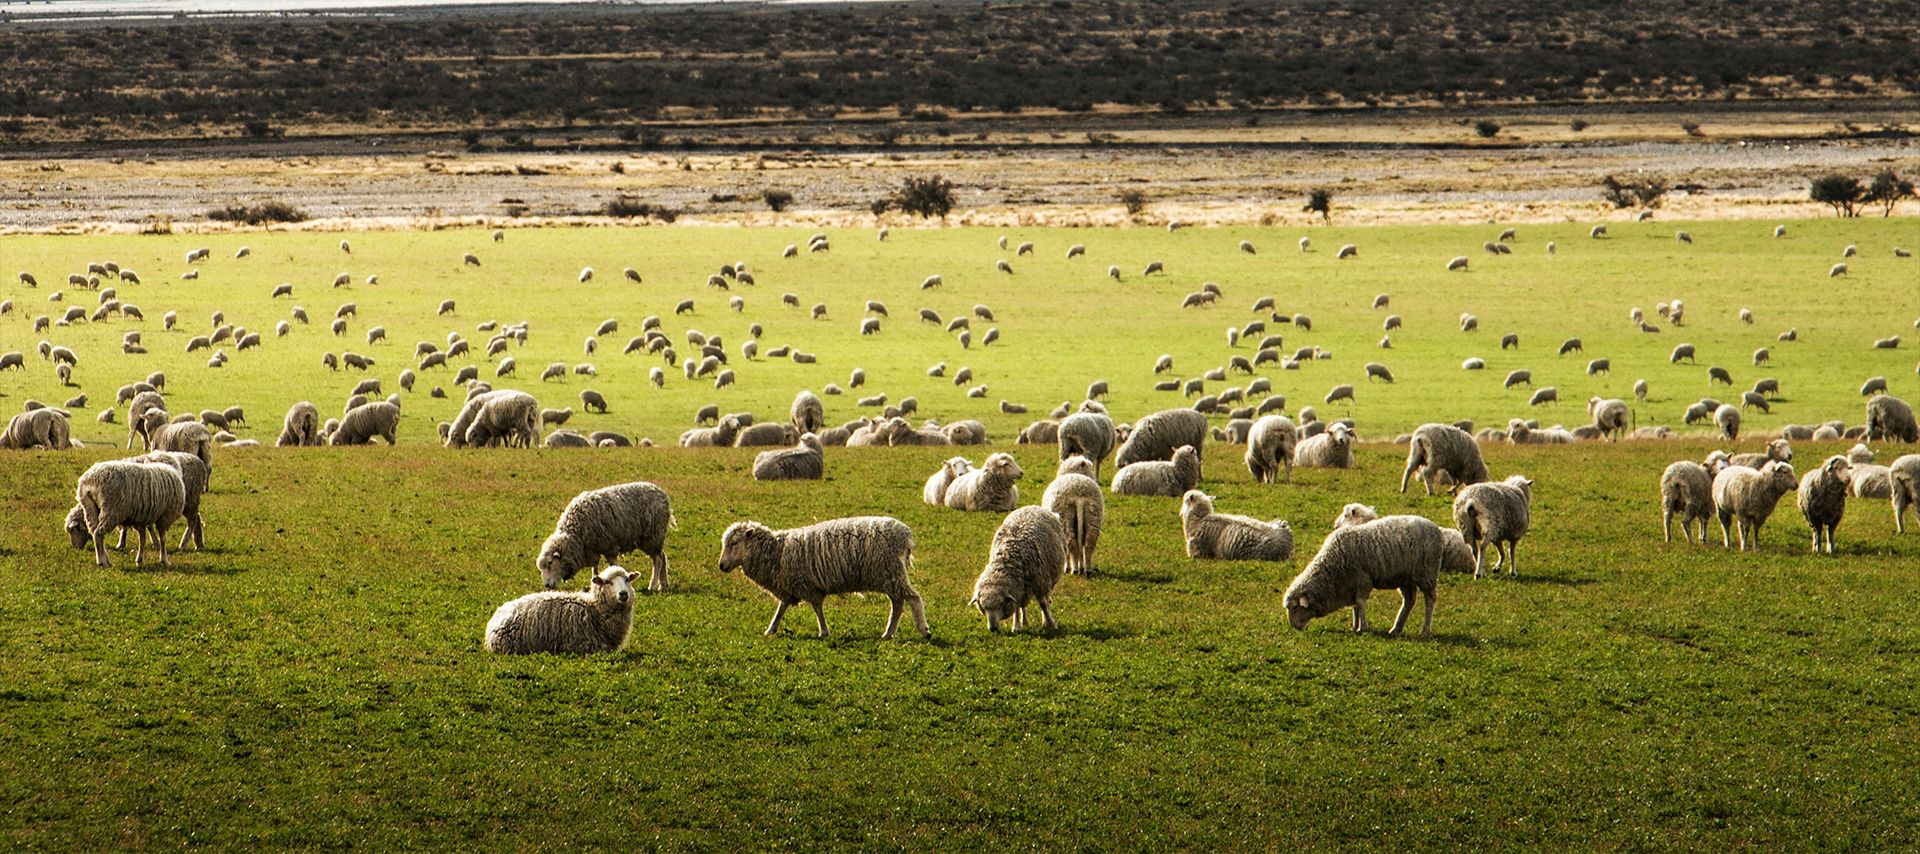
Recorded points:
1340,435
996,606
1839,467
1525,484
1093,406
1301,610
613,586
1003,465
1075,464
560,557
1355,514
1860,453
739,543
77,528
1781,473
813,442
1195,504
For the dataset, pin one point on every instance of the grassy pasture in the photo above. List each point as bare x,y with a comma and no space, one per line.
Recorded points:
315,678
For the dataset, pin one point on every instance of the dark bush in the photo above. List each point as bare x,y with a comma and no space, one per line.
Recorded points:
1134,200
262,213
1840,192
627,207
1630,193
1887,190
777,200
1486,128
922,197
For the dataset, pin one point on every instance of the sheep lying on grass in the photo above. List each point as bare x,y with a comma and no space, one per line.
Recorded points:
804,461
1170,479
858,554
1029,551
1225,536
603,524
1404,553
597,620
991,487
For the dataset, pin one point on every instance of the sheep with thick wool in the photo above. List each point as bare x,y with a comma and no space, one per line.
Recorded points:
146,497
1890,419
1610,416
804,461
807,413
1028,555
1403,553
301,427
1270,448
603,524
1496,514
194,473
1903,485
1822,499
1686,493
1332,449
1157,436
1076,497
363,423
597,620
935,492
1743,498
990,487
1438,450
851,555
38,428
496,417
1224,536
1459,556
1166,478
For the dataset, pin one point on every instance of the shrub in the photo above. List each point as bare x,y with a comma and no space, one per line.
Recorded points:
1578,125
1887,190
922,197
1839,192
1135,201
263,213
777,200
1691,127
627,207
1643,193
1320,201
1486,128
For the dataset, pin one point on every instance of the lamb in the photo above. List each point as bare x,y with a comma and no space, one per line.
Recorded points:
1170,478
1686,492
805,461
721,435
362,423
1088,434
194,472
597,620
1903,484
147,497
1823,499
301,428
935,492
1331,449
1029,551
1075,496
1890,419
1497,514
990,487
1398,552
1270,448
603,524
1224,536
1156,436
1443,449
37,428
1778,449
1746,497
857,554
1610,416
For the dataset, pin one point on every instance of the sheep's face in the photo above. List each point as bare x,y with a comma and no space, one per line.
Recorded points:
1186,456
737,544
1840,467
958,466
1355,514
996,607
1075,464
559,559
77,528
1004,466
613,586
1300,611
1779,449
1782,474
1195,503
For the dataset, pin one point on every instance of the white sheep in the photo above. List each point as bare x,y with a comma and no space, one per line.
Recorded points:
1823,499
147,497
1075,496
194,472
1270,448
1156,436
1224,536
851,555
1028,555
1686,493
597,620
301,428
1743,498
1087,434
362,423
1166,478
1437,450
603,524
1497,514
804,461
1404,553
1330,449
1610,416
38,428
1903,485
990,487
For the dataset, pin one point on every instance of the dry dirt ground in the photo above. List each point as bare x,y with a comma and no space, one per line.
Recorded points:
1409,167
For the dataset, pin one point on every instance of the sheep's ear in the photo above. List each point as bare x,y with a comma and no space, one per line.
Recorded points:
597,580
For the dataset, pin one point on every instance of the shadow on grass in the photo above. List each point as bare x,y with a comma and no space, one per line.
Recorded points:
1133,576
1558,581
190,566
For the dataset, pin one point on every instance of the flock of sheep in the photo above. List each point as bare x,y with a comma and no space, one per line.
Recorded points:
1157,454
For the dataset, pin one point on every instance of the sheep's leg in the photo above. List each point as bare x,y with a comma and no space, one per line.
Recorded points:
1289,468
1046,615
160,541
1666,525
920,615
819,616
1726,538
1408,475
140,551
1899,509
1513,558
658,582
1479,559
779,610
1406,607
100,548
1360,615
1426,624
893,617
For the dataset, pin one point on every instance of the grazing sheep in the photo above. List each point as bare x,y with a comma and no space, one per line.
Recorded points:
1340,392
859,554
1459,262
1873,386
1515,378
362,423
1746,497
1404,553
1157,436
1496,514
1330,449
598,620
1727,419
603,524
1686,492
1544,396
144,496
1028,553
1223,536
1823,499
805,461
1720,375
990,487
194,472
1375,370
495,417
38,428
1167,478
1075,496
1837,270
1347,251
1610,416
1437,450
1270,449
1903,485
1087,434
1890,419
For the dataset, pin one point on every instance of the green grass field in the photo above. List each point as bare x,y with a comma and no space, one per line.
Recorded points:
315,678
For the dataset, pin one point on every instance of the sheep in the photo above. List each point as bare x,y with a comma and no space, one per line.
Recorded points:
720,435
1222,536
1028,554
1347,251
766,434
1727,419
1746,497
1340,392
1686,492
146,496
804,461
1088,434
1075,496
1873,386
1042,432
194,472
495,417
850,555
362,423
1496,514
1443,449
1376,370
935,491
1890,419
603,524
1903,486
1545,395
990,487
1398,552
1823,499
1157,436
1270,448
38,428
1837,270
1517,377
598,620
1330,449
1168,478
1610,416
